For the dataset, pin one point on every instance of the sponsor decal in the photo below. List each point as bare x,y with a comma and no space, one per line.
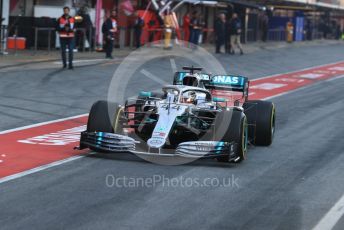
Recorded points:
227,80
203,147
156,142
204,77
159,134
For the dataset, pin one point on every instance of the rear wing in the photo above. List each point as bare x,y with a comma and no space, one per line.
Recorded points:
179,76
227,82
216,82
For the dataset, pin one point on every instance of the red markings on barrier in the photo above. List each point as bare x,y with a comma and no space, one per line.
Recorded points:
33,146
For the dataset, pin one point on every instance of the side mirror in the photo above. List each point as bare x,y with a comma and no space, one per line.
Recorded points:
145,94
218,99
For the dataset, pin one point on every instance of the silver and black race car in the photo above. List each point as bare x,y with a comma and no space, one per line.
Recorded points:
184,120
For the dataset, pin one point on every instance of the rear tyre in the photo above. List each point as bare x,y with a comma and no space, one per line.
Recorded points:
261,116
236,131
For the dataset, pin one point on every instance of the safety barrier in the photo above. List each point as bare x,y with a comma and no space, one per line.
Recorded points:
126,36
83,31
317,35
273,35
3,39
38,29
150,36
251,35
37,39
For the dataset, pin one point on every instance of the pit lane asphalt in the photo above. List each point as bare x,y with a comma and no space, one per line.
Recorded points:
289,185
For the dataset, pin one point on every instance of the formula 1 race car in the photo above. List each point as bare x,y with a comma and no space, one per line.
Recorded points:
184,120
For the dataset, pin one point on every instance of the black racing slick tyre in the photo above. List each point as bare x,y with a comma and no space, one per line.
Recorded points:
101,117
261,117
236,132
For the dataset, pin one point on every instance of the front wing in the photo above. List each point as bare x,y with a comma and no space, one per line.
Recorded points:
116,143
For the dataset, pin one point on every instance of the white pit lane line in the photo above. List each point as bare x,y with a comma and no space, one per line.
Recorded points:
40,168
82,61
42,123
332,216
173,65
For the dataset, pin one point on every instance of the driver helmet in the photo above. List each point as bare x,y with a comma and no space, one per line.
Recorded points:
190,97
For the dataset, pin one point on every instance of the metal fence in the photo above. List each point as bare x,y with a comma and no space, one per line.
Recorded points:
43,37
49,30
277,34
251,35
317,35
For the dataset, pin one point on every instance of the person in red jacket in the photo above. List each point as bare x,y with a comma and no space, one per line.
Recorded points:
66,31
186,26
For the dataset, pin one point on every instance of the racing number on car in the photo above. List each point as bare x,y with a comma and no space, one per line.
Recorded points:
176,107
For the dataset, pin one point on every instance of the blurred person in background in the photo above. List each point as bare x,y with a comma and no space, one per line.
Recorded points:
228,36
195,29
265,26
138,26
109,29
220,31
168,26
186,26
65,28
86,24
235,30
290,31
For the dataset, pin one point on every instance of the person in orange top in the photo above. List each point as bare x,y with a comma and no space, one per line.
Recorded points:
186,26
169,25
66,31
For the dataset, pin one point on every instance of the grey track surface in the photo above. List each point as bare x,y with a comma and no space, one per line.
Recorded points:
289,185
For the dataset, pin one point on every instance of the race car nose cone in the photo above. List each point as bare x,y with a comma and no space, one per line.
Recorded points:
156,142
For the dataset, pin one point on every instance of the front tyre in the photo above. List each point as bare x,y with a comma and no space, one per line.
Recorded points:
100,118
236,132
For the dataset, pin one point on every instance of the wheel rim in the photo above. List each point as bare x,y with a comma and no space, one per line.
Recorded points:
117,120
273,118
245,138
